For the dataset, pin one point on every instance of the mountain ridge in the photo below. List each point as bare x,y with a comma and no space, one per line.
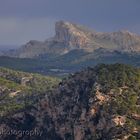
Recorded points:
69,36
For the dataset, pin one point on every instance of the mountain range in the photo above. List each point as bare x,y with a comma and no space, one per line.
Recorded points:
73,47
69,36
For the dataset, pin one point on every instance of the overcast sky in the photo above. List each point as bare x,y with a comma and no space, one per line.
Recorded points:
24,20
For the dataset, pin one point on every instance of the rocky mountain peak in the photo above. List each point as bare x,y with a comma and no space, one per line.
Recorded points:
64,24
71,34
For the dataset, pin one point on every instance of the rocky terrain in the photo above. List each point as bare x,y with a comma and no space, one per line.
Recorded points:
73,48
70,36
100,103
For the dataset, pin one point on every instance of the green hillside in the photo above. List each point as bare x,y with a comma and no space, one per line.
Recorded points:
20,89
70,62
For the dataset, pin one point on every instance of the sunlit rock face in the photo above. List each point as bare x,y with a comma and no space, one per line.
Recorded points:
71,35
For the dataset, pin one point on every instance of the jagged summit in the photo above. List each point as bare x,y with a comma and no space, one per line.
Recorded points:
70,36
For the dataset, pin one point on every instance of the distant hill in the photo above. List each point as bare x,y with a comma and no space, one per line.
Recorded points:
73,48
100,103
70,36
70,62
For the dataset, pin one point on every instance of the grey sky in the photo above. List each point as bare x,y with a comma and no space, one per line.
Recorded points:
24,20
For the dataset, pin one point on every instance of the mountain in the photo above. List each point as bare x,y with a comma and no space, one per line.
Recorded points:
100,103
74,47
69,36
70,62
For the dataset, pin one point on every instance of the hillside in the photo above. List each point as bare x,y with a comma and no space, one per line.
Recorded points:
100,103
20,89
73,48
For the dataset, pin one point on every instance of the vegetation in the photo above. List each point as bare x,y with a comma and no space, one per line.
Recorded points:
118,75
72,61
97,103
20,89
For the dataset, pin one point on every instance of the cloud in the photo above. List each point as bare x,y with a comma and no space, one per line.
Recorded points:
19,31
22,20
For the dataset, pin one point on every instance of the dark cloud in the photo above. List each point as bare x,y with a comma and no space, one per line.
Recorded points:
102,15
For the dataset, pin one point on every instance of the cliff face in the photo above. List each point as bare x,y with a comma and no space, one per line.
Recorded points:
78,37
71,36
88,105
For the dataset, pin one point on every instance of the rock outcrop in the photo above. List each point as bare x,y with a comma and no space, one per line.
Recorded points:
72,35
